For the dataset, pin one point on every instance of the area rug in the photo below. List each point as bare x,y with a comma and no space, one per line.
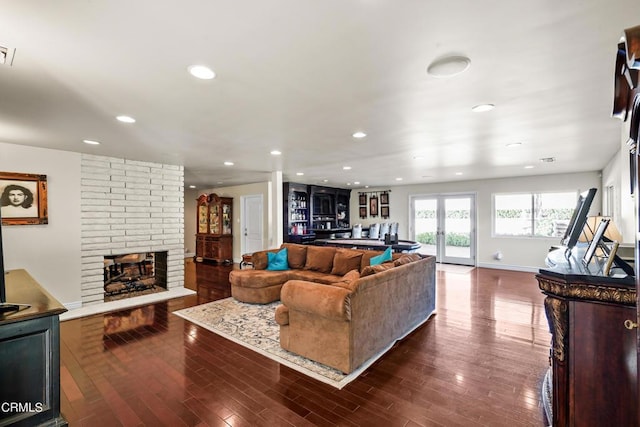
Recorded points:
254,326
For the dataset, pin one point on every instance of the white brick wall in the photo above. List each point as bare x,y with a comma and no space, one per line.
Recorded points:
129,206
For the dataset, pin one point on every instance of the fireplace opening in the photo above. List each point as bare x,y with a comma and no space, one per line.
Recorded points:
134,274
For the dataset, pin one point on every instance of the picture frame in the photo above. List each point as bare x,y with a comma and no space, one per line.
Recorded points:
611,259
363,211
384,211
384,198
362,199
595,242
23,198
373,205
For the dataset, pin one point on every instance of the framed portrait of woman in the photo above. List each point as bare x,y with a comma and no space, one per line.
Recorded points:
23,198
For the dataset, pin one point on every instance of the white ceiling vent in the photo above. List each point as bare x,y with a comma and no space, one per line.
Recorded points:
6,55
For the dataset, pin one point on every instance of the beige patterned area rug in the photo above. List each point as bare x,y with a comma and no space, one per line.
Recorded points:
254,326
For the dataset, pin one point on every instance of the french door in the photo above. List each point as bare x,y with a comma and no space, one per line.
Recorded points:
445,225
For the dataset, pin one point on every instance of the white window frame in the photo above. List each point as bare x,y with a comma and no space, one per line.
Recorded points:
532,194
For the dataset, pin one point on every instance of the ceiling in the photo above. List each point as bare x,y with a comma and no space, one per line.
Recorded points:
302,76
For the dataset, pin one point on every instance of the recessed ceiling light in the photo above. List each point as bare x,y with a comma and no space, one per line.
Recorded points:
356,182
202,72
276,152
514,144
398,179
347,168
458,173
227,163
481,108
192,186
299,173
348,183
359,135
126,119
449,66
220,182
529,167
90,142
325,180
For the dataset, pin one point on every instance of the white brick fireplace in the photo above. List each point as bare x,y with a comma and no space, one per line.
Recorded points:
129,207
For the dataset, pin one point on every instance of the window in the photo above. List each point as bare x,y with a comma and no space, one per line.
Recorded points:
533,214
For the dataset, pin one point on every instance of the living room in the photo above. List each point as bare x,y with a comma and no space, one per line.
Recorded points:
588,147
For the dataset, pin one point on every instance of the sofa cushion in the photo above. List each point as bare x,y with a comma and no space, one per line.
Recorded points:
385,256
314,276
320,258
297,254
366,258
373,269
277,261
348,281
406,259
259,259
346,260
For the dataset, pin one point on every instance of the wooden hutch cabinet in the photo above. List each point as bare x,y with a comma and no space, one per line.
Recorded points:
593,352
214,239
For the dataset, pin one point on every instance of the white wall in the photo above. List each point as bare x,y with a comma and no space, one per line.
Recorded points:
617,174
49,252
190,204
518,253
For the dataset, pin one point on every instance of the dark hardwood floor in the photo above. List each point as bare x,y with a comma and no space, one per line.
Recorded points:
479,361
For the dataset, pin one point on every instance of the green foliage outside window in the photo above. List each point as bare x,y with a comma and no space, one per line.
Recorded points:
452,239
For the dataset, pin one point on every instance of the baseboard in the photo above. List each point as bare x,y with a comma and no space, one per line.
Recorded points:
522,268
189,255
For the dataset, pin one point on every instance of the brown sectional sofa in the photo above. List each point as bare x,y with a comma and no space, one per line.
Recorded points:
337,309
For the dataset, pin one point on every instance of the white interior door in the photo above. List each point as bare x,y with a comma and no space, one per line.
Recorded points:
252,224
445,225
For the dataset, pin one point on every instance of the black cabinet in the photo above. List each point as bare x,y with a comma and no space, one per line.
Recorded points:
330,207
30,355
296,213
312,210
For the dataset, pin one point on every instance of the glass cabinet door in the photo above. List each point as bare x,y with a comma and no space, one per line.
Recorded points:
226,218
202,218
214,219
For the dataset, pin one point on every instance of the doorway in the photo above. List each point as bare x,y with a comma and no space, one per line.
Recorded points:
445,225
251,224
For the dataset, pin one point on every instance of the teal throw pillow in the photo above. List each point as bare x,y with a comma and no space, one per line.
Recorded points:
379,259
277,261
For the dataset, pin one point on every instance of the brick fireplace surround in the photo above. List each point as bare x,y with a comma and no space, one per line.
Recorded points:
129,207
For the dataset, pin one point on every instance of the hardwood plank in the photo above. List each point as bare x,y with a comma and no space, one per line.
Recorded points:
478,362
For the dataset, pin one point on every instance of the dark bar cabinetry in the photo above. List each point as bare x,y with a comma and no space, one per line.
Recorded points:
30,355
296,213
312,211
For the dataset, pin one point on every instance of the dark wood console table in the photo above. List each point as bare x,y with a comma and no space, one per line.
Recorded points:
30,355
593,353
